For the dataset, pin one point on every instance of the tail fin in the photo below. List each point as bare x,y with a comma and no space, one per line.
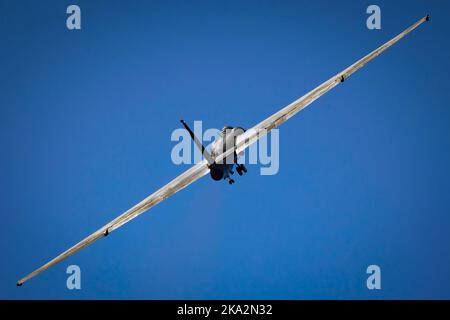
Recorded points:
199,145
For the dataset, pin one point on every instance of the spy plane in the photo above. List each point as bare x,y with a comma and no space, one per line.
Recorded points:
221,159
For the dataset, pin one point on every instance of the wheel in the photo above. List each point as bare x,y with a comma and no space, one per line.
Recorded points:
231,181
243,168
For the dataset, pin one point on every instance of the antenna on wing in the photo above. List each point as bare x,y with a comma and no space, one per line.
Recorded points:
199,145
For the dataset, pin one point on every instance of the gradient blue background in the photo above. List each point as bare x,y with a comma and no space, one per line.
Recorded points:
85,124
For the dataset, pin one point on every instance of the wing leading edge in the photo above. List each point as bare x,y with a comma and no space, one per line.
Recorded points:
262,128
177,184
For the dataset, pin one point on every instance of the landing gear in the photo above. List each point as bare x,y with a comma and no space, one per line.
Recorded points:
240,168
227,177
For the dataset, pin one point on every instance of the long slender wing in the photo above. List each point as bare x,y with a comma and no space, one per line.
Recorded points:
262,128
180,182
242,142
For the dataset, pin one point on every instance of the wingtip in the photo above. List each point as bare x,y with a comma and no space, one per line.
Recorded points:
19,284
427,17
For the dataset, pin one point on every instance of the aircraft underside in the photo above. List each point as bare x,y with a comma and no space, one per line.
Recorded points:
225,141
224,171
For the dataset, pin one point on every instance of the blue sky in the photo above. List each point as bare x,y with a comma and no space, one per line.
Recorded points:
85,124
